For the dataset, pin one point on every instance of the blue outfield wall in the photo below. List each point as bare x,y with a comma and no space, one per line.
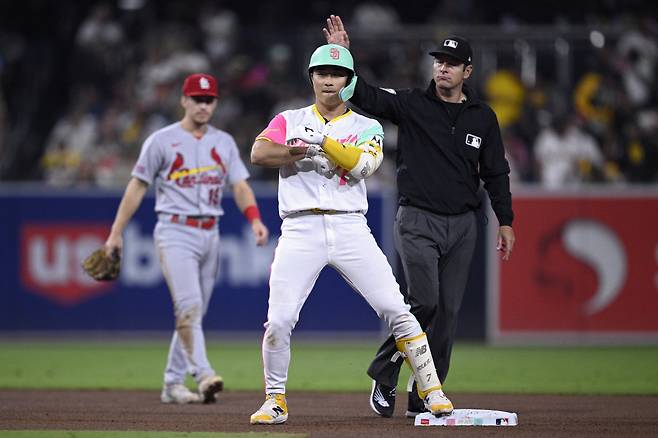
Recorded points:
45,234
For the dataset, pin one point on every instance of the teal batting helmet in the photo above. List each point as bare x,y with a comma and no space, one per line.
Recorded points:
332,54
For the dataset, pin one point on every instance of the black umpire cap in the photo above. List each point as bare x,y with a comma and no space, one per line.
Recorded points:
457,47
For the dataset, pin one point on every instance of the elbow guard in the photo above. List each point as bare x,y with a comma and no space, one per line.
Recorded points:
365,167
369,160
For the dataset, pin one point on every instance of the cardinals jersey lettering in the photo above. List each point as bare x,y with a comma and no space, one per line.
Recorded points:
189,173
316,182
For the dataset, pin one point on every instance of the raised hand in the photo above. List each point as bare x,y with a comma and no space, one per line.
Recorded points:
335,32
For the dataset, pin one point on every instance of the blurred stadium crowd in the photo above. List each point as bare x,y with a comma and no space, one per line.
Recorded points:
577,98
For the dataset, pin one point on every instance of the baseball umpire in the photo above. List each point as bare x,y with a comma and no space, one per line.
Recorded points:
448,141
190,162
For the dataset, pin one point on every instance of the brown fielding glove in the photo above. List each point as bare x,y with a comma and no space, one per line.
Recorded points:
102,267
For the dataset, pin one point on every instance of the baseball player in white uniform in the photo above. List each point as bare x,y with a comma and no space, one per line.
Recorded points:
190,163
324,152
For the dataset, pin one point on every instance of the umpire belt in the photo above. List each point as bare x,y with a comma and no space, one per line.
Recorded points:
204,222
321,211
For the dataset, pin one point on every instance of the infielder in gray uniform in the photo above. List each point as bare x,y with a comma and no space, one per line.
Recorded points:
190,163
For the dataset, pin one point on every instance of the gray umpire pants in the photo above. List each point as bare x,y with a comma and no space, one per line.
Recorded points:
436,253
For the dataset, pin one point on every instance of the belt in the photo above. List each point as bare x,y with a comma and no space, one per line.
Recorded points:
321,211
205,222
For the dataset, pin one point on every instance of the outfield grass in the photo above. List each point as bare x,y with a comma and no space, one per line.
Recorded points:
327,366
138,434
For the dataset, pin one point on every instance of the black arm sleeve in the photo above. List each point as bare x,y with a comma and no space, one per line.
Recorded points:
378,102
494,171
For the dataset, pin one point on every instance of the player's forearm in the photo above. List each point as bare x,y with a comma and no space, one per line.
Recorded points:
246,201
130,202
345,156
243,195
269,154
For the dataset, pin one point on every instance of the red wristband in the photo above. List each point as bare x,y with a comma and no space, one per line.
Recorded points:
251,213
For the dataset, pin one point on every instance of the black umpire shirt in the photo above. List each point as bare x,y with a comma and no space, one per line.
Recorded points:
444,149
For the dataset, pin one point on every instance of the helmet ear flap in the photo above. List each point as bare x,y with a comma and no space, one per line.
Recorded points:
350,76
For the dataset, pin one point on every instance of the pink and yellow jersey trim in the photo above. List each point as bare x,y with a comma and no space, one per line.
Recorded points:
275,131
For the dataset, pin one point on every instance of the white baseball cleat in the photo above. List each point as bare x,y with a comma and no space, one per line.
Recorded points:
178,394
209,387
273,411
438,404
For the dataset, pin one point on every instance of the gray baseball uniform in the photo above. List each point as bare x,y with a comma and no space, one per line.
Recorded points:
189,174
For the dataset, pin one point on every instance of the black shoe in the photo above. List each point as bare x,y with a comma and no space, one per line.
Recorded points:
382,399
414,405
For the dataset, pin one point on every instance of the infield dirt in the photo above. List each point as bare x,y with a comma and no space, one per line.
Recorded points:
325,415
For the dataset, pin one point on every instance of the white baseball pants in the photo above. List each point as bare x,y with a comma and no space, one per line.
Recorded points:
307,244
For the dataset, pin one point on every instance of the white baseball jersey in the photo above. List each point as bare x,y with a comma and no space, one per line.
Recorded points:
190,173
316,240
303,184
